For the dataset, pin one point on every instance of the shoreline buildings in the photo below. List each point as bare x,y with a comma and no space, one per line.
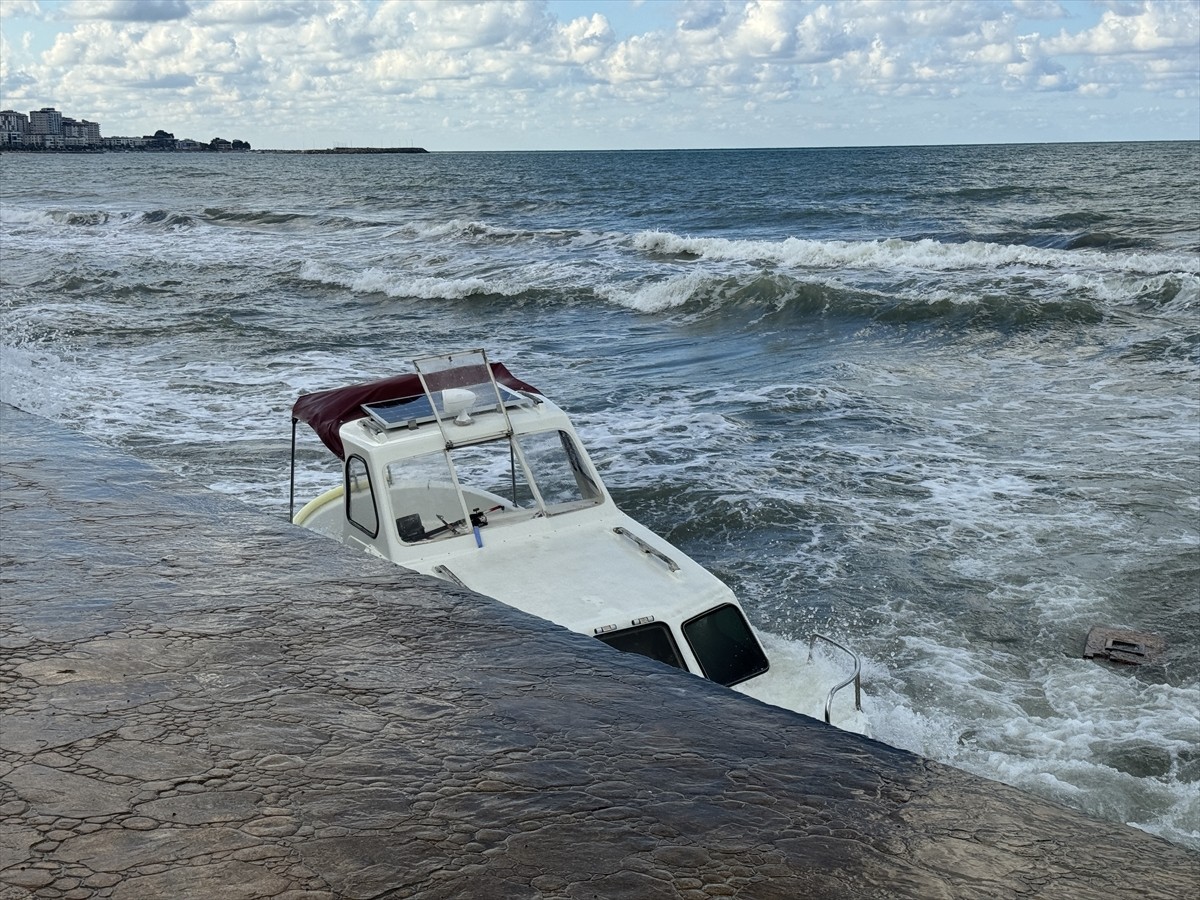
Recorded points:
48,129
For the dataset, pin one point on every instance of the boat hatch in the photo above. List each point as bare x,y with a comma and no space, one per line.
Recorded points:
645,638
725,646
458,387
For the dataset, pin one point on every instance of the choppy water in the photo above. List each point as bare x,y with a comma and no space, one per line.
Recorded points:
943,403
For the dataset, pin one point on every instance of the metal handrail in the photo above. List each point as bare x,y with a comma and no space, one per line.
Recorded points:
856,678
646,548
444,573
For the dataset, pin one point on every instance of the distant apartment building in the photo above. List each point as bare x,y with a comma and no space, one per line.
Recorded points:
123,143
47,129
45,121
13,128
81,134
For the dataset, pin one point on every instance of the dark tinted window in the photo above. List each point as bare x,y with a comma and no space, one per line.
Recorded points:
725,646
653,640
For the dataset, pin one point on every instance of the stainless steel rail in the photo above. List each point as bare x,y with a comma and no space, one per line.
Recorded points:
444,573
856,678
646,548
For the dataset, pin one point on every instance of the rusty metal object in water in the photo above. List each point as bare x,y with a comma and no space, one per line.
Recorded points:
1123,645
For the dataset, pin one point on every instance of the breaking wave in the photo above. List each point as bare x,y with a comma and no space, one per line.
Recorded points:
375,280
1064,301
922,255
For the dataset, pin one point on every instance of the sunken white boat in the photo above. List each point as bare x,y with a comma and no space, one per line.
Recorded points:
464,472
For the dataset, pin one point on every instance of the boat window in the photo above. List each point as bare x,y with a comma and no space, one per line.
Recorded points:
491,475
653,639
492,479
559,469
360,498
424,500
725,646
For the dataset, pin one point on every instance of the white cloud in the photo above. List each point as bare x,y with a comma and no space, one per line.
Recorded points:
128,10
1031,70
255,12
1039,9
583,41
11,9
743,67
1141,28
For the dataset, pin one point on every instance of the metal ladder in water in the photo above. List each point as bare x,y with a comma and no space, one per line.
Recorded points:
855,678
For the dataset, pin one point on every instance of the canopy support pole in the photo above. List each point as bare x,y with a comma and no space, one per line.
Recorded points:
292,479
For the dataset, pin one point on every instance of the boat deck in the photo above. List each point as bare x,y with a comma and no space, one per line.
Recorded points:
201,701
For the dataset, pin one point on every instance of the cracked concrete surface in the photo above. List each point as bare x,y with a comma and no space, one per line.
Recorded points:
200,701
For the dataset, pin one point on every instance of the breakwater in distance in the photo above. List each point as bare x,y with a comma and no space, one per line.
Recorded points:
202,700
353,150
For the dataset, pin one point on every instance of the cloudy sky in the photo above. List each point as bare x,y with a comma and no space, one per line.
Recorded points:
601,74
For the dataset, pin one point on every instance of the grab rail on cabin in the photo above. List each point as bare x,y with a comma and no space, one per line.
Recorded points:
446,575
646,548
856,678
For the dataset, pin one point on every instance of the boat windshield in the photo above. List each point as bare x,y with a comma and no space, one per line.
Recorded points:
558,468
540,472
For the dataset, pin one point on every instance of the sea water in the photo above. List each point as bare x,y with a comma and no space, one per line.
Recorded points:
942,404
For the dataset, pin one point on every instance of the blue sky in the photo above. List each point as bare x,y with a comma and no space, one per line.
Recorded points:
610,74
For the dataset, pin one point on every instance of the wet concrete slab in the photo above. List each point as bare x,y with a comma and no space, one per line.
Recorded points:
199,701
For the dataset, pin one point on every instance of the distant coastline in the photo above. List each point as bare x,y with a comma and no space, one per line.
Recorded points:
357,150
94,150
85,151
47,130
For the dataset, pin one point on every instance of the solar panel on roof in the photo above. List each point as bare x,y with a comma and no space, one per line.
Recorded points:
404,413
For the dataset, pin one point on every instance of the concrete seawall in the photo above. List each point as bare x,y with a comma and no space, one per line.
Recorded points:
200,701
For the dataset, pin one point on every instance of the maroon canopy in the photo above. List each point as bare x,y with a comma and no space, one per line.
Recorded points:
328,411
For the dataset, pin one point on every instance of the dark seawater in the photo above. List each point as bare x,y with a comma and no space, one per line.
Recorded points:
941,402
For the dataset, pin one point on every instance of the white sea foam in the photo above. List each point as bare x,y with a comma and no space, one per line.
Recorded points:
375,280
802,674
920,255
13,215
1095,722
32,378
658,295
